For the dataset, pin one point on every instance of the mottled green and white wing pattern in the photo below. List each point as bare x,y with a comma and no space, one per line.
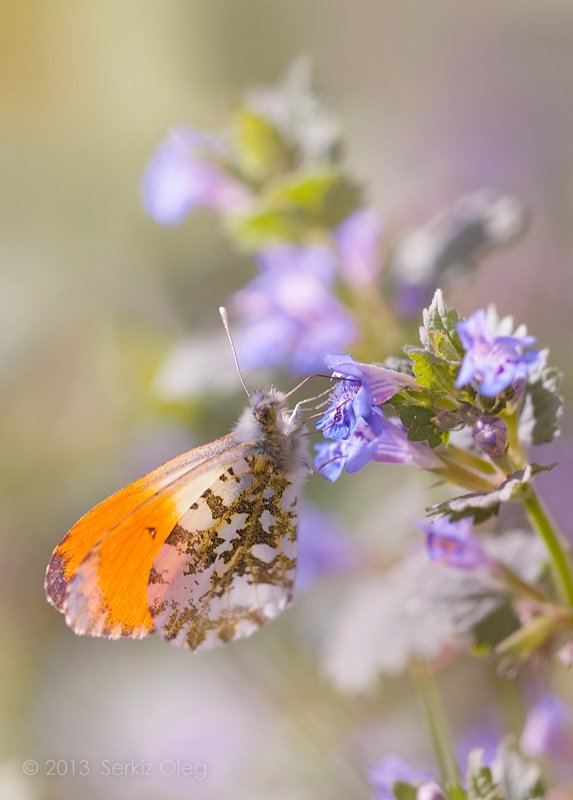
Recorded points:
229,564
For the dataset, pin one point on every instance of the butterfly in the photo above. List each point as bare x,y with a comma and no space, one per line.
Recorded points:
202,550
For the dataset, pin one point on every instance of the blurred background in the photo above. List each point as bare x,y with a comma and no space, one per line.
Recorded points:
436,99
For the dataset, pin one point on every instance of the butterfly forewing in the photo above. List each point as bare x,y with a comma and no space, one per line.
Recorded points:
107,595
116,510
229,564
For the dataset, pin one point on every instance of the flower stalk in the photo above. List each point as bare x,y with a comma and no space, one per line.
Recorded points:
430,700
546,528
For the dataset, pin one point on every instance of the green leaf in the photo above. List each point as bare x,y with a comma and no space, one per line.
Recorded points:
324,194
483,505
519,778
522,643
306,190
494,628
433,373
263,227
438,333
304,122
455,791
419,420
404,791
260,150
342,199
481,785
540,417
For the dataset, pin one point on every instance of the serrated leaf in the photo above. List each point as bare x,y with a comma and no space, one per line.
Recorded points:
404,791
438,333
478,604
261,151
433,373
482,505
518,777
418,420
539,421
481,785
396,624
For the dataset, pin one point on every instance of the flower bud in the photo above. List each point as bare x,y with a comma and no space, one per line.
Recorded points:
490,435
430,791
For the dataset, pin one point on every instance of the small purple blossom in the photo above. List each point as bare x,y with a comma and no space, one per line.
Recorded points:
548,731
453,543
357,240
490,435
493,362
291,316
391,770
183,175
363,387
378,439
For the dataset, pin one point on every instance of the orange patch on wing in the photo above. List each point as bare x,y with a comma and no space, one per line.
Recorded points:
99,573
123,564
86,534
108,593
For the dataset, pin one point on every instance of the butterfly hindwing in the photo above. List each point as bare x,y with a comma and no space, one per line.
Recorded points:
229,564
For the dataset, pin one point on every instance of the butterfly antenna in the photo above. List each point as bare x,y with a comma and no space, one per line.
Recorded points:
225,319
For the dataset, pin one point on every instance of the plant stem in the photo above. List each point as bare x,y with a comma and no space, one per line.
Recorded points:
545,527
459,475
516,583
425,684
471,460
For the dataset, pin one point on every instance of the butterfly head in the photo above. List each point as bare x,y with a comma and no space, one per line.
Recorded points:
269,408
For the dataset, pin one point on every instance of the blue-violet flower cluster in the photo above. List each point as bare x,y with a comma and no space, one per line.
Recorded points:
453,543
494,363
290,314
359,428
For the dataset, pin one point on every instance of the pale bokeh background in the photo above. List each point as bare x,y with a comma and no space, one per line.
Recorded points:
436,99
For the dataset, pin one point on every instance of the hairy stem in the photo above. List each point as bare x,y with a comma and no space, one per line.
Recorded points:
546,528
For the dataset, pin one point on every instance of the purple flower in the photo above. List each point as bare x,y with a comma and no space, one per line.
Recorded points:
548,731
490,435
291,316
391,770
357,240
375,439
493,362
183,175
453,543
364,386
484,736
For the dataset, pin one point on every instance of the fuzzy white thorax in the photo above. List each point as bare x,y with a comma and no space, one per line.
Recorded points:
275,432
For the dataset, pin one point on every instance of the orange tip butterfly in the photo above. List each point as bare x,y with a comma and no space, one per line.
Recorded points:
202,550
